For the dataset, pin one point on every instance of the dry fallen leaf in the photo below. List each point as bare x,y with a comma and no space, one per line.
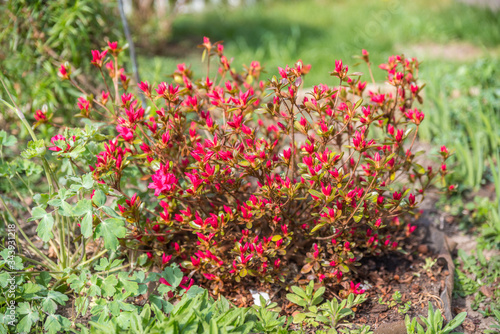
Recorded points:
52,252
486,290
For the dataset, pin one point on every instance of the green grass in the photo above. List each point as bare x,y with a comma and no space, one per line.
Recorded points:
318,32
463,112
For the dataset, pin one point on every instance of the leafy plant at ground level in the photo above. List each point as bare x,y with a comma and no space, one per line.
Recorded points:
397,301
433,323
478,277
496,327
27,302
329,313
72,212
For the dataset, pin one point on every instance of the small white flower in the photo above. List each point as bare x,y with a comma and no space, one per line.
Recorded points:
256,297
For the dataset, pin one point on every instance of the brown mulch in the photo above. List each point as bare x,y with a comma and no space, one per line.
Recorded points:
381,277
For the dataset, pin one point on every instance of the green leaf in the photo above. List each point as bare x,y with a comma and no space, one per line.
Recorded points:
316,193
110,212
31,288
455,322
110,230
419,169
194,291
6,140
4,279
296,299
103,264
66,209
173,275
76,152
86,225
318,296
87,181
99,198
298,291
310,289
78,282
82,207
35,149
161,303
43,279
49,303
360,101
358,216
317,227
108,286
46,224
55,323
31,317
131,288
298,318
94,289
276,238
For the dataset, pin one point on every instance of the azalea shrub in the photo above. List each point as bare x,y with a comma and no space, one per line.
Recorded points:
232,176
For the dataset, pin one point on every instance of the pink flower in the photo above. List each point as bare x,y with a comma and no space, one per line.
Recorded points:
396,196
287,154
411,199
126,133
40,116
378,98
282,72
338,66
410,229
316,251
63,72
55,139
185,280
113,45
210,277
98,57
83,103
165,258
354,289
163,181
104,97
144,86
206,42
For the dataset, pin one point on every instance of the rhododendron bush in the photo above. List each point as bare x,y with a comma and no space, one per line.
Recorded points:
242,176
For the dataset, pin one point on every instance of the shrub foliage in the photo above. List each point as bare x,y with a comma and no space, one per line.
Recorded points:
232,177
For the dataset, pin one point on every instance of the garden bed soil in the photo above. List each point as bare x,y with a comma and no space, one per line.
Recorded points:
381,277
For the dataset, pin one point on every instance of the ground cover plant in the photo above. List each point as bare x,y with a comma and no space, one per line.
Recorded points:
230,177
